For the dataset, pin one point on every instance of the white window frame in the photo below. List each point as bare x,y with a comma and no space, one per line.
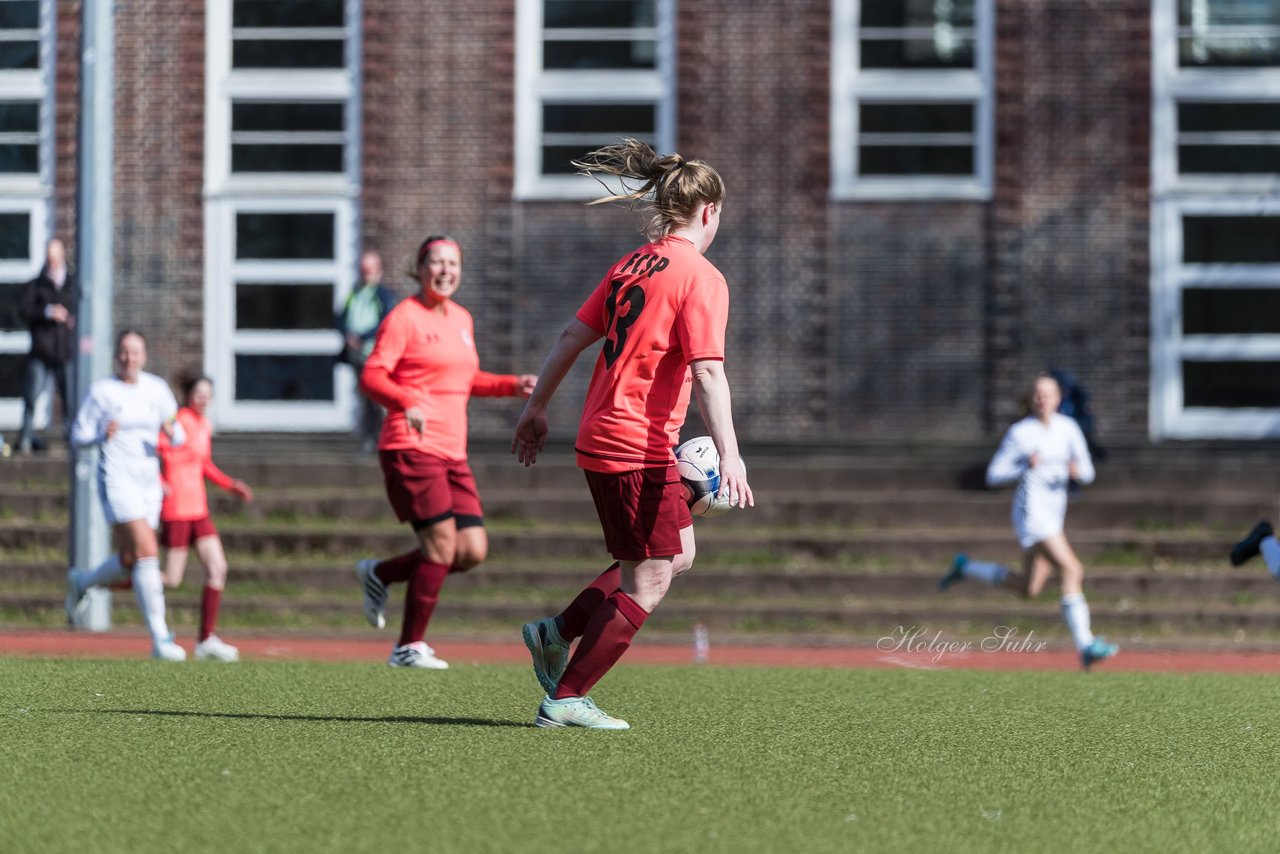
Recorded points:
852,86
1173,197
30,194
535,86
228,194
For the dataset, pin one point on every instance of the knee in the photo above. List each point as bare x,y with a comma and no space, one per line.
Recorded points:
682,564
441,548
464,561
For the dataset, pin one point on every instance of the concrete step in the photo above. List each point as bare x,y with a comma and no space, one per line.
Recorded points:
497,577
281,460
1094,509
854,618
926,545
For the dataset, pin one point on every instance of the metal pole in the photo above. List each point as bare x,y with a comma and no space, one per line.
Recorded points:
89,535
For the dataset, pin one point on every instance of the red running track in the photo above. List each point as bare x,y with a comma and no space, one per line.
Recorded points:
920,655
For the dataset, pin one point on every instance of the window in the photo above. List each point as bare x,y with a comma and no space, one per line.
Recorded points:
1217,99
588,73
1215,219
26,175
281,179
911,98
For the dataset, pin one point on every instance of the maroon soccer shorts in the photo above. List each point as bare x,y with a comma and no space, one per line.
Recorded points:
182,533
424,490
642,512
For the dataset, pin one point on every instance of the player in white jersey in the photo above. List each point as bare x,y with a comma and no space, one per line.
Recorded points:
125,414
1043,453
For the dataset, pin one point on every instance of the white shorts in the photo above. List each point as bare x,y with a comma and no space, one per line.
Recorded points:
131,495
1033,522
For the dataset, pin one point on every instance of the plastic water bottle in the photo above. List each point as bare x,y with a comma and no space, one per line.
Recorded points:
701,644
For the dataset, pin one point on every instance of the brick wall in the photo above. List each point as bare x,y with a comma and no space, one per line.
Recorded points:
849,319
159,175
1069,285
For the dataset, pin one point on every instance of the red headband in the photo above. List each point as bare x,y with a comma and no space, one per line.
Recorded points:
426,247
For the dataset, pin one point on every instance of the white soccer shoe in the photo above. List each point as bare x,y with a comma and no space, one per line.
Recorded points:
76,591
576,711
418,655
167,650
213,648
375,593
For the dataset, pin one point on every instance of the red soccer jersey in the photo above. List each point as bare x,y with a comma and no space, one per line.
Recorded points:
660,308
427,358
186,467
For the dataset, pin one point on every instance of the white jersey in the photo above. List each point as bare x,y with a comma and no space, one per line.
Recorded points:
1040,502
129,468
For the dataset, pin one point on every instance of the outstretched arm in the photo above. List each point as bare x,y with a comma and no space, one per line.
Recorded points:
531,429
712,388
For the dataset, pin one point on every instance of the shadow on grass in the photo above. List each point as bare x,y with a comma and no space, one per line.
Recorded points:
387,719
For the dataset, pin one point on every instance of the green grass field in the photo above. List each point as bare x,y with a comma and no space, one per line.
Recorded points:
135,756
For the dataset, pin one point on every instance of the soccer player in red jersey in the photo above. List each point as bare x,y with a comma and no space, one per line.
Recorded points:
423,370
185,513
662,312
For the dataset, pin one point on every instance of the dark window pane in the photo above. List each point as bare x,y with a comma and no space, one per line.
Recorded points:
286,53
284,235
1231,384
915,160
1236,13
916,118
284,377
917,53
276,116
1231,239
613,119
916,13
284,306
580,55
11,365
19,116
1228,159
555,158
287,13
1229,52
619,14
19,55
1196,116
1231,311
10,316
22,15
286,158
15,234
20,159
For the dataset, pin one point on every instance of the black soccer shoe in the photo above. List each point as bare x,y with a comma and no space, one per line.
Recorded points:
1249,546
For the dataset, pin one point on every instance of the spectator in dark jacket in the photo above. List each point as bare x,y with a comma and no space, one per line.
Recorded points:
48,304
358,322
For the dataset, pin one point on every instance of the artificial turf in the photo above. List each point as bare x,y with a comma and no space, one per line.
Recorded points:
138,756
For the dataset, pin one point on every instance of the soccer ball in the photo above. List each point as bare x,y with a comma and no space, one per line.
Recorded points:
698,463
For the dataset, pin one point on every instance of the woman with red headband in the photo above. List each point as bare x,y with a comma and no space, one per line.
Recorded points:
423,370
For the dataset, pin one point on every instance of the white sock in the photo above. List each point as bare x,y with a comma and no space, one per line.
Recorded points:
1076,612
1271,554
992,573
108,572
148,589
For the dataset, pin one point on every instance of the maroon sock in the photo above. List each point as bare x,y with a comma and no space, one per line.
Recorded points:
126,584
607,637
573,620
210,600
420,599
398,568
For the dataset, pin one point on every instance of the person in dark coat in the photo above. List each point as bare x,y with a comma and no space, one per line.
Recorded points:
48,304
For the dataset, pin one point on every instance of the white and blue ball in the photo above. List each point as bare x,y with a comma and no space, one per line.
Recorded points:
698,464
